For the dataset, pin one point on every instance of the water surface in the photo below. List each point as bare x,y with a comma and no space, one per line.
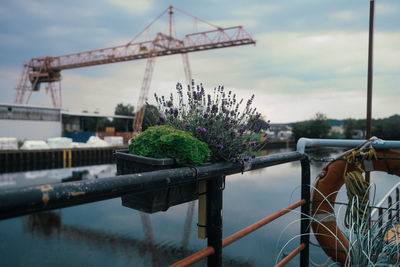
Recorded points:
107,234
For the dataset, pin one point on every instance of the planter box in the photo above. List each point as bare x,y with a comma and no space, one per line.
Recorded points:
157,200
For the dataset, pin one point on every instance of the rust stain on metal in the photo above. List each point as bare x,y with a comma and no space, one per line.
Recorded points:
45,188
45,198
168,180
74,194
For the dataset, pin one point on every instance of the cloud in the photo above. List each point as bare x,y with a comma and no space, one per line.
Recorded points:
9,77
133,6
329,53
8,39
52,10
385,9
344,15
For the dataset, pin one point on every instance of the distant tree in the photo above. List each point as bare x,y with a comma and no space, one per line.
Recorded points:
127,110
318,127
150,117
123,125
350,125
388,128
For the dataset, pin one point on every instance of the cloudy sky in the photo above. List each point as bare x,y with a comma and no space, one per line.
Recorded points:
310,56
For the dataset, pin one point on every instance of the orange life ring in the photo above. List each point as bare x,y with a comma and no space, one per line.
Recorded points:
323,196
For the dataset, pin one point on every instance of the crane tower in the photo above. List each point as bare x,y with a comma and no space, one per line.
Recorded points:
48,69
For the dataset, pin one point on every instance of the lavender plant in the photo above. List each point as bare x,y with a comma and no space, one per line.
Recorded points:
231,134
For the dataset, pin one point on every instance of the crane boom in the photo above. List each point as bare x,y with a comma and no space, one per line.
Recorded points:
164,45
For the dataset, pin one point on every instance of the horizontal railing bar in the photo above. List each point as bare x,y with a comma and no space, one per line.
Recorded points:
202,254
242,233
194,258
307,142
22,201
380,204
291,255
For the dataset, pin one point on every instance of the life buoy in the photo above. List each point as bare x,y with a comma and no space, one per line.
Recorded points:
323,196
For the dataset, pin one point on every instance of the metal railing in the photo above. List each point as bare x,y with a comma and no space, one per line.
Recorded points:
18,202
390,207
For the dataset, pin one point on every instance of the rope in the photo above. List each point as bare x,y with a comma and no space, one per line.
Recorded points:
358,195
320,265
357,188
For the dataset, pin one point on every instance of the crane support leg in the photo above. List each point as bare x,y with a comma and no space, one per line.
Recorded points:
55,91
22,86
137,122
186,68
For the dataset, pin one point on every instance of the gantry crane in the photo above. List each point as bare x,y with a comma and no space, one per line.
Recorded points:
48,69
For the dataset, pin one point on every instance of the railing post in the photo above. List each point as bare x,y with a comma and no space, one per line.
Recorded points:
397,204
214,219
305,212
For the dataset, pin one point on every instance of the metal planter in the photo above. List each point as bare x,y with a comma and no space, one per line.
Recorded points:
157,200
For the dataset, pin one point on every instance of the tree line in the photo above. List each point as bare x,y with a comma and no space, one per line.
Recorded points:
320,127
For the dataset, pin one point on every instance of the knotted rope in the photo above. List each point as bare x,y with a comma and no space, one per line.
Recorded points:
357,188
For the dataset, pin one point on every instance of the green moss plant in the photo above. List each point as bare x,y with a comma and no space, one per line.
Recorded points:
167,142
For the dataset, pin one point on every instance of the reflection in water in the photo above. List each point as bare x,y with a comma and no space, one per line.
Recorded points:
44,224
48,224
76,176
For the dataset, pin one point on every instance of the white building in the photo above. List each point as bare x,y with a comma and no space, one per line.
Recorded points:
29,122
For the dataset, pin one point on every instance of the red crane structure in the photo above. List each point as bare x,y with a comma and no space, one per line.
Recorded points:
48,69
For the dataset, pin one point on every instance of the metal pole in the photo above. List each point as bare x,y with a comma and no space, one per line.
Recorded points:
397,205
370,66
370,73
214,219
305,212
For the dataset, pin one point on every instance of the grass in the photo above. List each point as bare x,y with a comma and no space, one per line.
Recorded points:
370,241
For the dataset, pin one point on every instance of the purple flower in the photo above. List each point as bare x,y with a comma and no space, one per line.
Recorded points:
199,129
205,115
203,130
187,125
161,118
246,158
169,104
175,112
253,144
214,108
220,146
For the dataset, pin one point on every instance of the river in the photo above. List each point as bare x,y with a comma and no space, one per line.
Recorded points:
107,234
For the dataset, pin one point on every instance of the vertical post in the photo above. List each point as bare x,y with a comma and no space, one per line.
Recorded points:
305,212
214,219
370,74
389,207
370,66
202,211
397,204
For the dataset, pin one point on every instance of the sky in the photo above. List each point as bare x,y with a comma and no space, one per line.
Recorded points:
310,56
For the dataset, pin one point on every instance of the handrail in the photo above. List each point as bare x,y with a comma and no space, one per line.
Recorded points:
17,202
380,204
303,143
291,255
202,254
242,233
